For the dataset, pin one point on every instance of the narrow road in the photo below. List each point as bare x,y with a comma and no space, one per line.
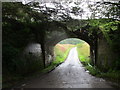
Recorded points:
70,74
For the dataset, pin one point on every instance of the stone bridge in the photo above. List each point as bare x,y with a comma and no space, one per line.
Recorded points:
100,53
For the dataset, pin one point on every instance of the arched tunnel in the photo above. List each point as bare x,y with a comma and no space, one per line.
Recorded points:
63,48
31,31
55,34
59,36
69,74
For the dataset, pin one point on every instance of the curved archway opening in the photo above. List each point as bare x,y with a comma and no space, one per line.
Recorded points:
64,50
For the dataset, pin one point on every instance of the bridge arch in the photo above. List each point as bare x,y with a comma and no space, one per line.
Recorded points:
57,34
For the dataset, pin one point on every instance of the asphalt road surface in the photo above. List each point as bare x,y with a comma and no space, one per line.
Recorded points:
70,74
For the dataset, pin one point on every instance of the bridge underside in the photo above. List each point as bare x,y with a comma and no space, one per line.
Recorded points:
100,53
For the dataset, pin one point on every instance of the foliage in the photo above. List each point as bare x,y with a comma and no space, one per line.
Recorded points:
23,23
84,52
92,70
105,9
61,52
110,29
112,75
111,32
18,30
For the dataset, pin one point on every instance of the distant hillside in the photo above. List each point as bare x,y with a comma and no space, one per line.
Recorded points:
71,41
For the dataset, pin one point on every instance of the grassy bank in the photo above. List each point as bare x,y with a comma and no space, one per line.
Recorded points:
111,75
61,52
84,53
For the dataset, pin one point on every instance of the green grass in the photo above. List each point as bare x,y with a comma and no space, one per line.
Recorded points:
83,53
61,52
113,75
92,70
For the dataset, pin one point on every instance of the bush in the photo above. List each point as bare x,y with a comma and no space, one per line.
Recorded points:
93,70
9,55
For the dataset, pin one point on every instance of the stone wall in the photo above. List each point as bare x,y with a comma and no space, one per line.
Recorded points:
54,37
51,39
33,52
105,56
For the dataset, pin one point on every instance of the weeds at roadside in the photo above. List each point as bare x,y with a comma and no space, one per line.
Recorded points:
83,55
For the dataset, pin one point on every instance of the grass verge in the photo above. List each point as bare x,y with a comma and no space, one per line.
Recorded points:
83,54
111,75
61,52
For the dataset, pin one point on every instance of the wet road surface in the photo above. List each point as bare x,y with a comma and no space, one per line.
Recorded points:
70,74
